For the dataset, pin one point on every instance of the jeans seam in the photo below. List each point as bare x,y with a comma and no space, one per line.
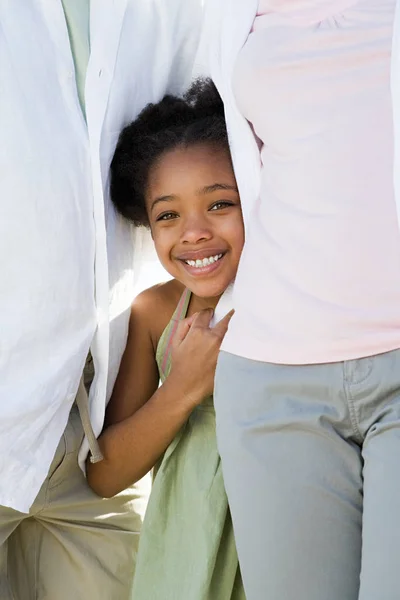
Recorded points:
351,407
349,380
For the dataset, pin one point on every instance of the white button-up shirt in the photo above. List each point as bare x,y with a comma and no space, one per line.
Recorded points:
70,265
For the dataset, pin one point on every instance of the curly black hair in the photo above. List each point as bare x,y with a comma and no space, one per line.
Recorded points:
197,117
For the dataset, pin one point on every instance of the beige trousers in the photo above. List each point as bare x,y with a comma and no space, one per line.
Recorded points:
73,545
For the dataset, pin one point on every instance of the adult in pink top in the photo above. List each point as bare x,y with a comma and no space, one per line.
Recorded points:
308,384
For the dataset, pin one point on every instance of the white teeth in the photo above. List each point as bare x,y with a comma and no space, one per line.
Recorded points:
203,262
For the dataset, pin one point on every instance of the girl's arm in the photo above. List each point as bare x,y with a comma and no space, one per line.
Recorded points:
143,420
140,420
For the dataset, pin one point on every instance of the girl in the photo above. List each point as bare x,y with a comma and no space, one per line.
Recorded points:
172,172
307,388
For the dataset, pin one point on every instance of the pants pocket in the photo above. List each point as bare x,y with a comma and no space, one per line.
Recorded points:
67,449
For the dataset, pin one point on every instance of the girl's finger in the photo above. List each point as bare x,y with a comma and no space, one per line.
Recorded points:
222,326
203,318
182,330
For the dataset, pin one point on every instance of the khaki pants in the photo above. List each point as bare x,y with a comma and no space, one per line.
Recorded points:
73,545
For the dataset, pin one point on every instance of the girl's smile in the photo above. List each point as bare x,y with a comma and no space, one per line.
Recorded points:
195,217
200,270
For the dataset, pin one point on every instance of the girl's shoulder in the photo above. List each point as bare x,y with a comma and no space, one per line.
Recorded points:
155,307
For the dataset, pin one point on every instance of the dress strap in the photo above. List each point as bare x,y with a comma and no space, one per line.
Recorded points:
179,315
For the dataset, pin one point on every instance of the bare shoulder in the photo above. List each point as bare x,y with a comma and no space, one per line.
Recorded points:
158,298
155,306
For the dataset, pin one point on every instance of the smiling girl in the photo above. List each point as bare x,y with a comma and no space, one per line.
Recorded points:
172,172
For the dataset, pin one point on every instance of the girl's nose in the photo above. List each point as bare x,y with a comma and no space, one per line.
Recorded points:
195,231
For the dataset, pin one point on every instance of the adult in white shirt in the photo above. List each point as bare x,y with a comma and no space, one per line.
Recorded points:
307,391
73,74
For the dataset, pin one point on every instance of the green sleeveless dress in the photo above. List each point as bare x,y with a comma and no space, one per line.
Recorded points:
187,549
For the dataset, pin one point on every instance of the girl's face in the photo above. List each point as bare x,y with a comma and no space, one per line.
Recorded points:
195,217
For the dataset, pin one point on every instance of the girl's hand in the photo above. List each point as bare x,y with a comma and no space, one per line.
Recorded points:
194,354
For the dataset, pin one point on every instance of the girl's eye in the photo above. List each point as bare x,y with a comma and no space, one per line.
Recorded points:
220,205
167,216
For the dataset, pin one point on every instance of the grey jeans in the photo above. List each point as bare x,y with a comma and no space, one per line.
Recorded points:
311,461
